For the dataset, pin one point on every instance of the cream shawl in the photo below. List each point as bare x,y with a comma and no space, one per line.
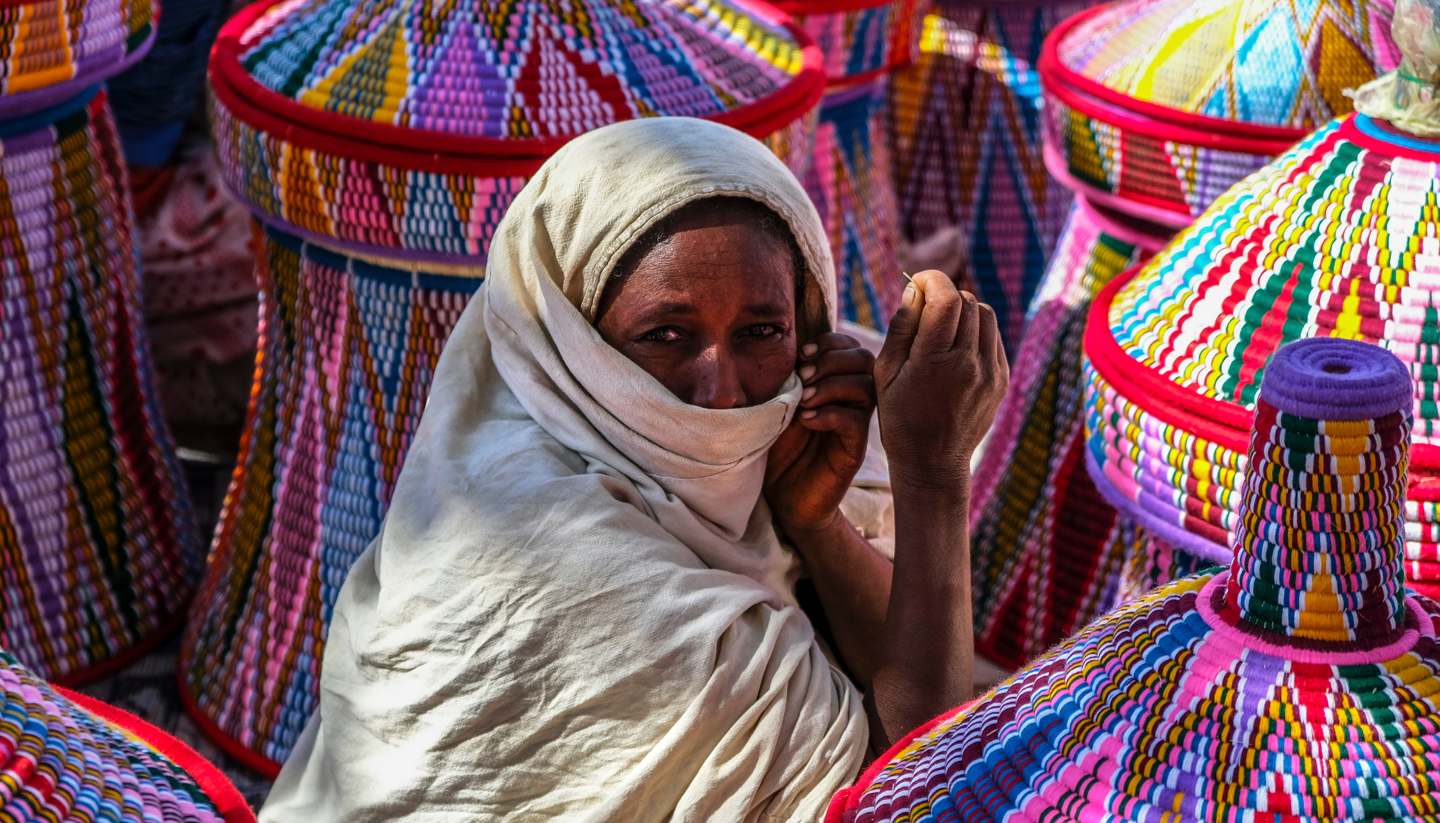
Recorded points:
577,606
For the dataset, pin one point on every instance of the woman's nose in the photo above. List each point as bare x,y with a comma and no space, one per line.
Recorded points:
717,380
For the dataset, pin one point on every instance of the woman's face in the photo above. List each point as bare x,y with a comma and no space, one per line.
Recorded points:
709,310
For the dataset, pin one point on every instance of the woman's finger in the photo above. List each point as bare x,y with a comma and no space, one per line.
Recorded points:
852,426
900,336
967,331
939,316
989,333
854,390
836,361
829,341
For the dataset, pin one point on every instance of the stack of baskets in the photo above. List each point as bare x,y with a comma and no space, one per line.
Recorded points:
378,146
98,552
965,125
849,176
1153,108
1336,238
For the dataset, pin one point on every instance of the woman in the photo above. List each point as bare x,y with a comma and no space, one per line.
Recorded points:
582,602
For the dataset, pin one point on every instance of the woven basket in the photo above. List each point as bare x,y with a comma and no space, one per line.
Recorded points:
1176,350
378,174
1156,107
965,128
70,757
860,39
1046,549
1297,685
53,50
98,551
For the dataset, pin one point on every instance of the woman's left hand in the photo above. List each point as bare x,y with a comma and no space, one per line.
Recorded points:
812,464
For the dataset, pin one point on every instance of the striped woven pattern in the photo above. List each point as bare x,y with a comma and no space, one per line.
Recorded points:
61,762
965,122
1335,239
347,350
456,104
97,548
51,50
1164,104
1046,550
1212,699
849,183
859,40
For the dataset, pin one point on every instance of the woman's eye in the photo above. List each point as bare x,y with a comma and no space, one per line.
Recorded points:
764,330
664,334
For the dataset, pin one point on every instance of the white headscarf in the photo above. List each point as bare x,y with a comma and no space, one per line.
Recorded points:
578,605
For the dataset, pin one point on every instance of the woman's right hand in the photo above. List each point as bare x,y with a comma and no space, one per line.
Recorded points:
939,378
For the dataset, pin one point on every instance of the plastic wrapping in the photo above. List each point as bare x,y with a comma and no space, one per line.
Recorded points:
1407,96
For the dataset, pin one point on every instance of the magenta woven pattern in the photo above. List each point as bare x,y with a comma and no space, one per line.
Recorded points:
849,182
1300,685
97,546
347,349
965,122
1046,549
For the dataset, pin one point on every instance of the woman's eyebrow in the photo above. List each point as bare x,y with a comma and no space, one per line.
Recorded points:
766,309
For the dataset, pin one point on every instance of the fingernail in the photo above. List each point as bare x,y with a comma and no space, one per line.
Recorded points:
808,413
807,372
909,296
809,349
808,393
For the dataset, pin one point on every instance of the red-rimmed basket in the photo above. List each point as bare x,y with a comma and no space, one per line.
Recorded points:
67,756
1176,349
861,40
379,166
1157,107
1047,552
1297,686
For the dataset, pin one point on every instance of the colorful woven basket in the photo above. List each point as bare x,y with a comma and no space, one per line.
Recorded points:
1335,238
1299,685
68,757
53,50
380,144
97,548
1159,106
965,123
1046,549
849,183
402,128
860,39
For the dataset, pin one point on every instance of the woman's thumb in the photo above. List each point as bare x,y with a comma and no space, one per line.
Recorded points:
903,326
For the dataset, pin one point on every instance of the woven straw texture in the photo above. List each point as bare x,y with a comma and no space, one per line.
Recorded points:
1337,238
399,126
849,182
965,123
70,758
1299,685
1046,549
52,50
859,40
97,549
1162,105
347,349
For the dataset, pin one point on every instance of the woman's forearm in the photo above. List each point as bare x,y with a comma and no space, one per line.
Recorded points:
928,638
852,579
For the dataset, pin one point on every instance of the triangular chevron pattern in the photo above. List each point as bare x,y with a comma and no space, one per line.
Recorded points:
966,133
347,351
